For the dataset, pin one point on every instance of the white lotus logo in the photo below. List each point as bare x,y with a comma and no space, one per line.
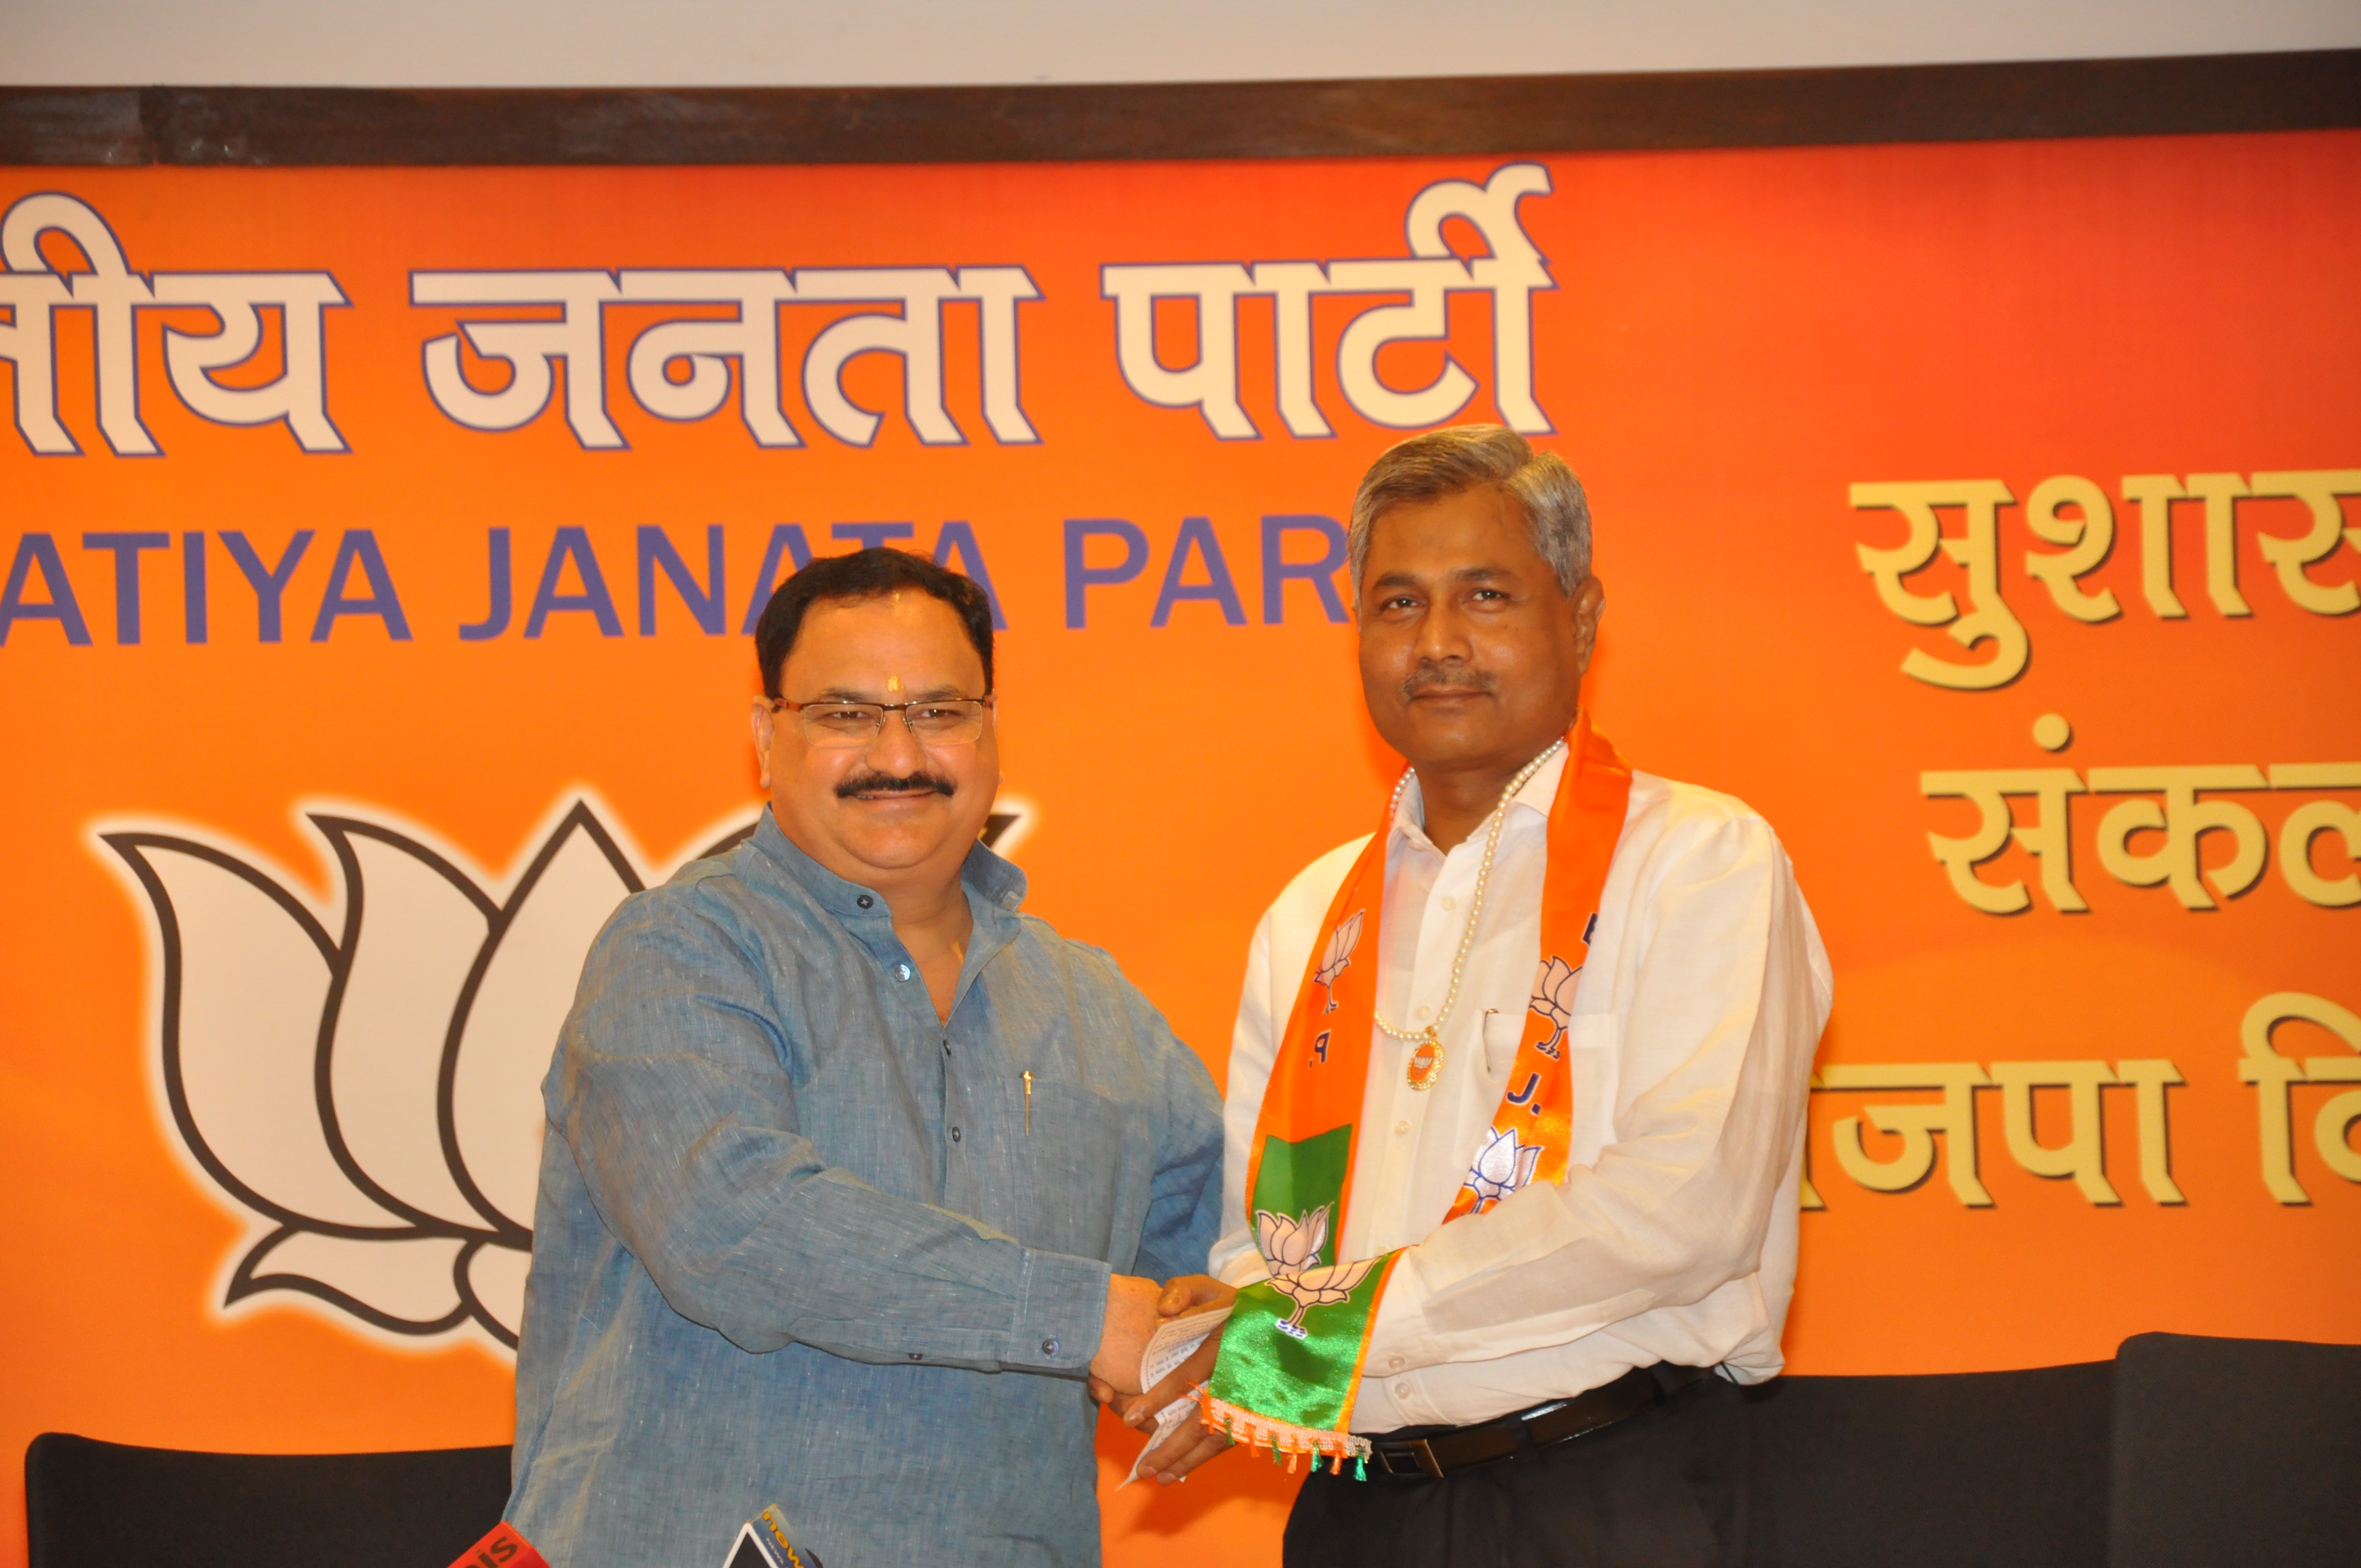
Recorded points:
1338,955
1501,1166
1290,1243
1290,1247
366,1088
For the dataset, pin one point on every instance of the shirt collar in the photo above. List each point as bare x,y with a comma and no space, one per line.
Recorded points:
992,882
1539,794
996,881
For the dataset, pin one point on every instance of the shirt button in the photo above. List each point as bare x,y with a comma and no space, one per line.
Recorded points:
1400,1127
901,972
916,1356
1401,1390
865,901
1395,1365
955,1135
1425,1011
1449,904
1049,1347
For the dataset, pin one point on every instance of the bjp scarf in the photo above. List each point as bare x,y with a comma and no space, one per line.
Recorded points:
1292,1353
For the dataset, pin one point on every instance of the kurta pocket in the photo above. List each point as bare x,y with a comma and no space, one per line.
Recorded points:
1084,1167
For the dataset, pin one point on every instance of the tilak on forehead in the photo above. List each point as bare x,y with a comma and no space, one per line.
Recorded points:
1292,1352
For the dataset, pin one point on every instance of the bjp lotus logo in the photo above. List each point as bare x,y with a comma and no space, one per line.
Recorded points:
1290,1247
362,1083
1554,1000
1501,1166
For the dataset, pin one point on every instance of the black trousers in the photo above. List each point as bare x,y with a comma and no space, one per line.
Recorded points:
1672,1487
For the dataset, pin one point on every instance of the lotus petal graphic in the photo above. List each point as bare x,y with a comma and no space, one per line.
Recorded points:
1553,999
1339,953
1502,1165
1286,1245
365,1089
1323,1286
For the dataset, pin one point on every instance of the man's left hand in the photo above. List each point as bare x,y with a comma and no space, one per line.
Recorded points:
1188,1446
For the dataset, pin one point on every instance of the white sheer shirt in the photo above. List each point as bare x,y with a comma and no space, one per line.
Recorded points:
1673,1236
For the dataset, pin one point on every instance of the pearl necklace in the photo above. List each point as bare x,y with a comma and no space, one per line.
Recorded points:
1426,1061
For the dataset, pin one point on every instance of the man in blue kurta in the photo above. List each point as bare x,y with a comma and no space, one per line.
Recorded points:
854,1173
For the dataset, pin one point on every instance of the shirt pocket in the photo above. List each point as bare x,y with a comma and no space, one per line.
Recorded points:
1503,1032
1594,1068
1082,1154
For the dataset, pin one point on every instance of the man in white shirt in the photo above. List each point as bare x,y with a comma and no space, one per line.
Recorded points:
1576,1122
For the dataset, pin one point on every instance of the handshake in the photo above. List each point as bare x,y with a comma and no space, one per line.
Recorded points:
1136,1308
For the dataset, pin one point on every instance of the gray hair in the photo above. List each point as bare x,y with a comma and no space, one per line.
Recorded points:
1446,462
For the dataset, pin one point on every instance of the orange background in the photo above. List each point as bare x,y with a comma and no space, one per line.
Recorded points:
1736,336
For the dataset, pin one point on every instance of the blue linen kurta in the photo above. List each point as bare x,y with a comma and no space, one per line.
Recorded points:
795,1244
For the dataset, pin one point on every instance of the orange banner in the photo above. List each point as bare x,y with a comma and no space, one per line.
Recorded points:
381,544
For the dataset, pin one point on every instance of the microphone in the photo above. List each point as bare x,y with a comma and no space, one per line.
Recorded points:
763,1542
503,1547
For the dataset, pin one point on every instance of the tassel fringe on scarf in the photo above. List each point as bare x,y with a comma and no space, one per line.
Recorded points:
1283,1439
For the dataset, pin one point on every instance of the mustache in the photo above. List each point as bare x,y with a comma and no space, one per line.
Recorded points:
876,783
1450,676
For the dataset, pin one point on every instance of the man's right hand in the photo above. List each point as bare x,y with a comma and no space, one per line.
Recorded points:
1187,1294
1190,1444
1131,1322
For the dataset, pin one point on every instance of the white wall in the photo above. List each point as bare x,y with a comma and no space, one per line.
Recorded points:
534,43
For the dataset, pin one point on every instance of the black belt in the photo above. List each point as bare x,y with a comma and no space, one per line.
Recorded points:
1435,1456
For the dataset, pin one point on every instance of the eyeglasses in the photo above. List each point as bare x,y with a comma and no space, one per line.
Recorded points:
932,721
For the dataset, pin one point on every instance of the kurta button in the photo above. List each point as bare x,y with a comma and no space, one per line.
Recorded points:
901,972
865,901
1049,1347
916,1356
955,1135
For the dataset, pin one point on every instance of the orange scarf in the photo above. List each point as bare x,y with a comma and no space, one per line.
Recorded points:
1291,1364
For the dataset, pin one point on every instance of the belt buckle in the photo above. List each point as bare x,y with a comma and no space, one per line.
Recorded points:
1424,1453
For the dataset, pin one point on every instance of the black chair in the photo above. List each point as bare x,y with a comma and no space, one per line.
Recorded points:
2235,1450
1954,1470
104,1505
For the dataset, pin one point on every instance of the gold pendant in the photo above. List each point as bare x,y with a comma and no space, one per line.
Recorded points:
1426,1061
